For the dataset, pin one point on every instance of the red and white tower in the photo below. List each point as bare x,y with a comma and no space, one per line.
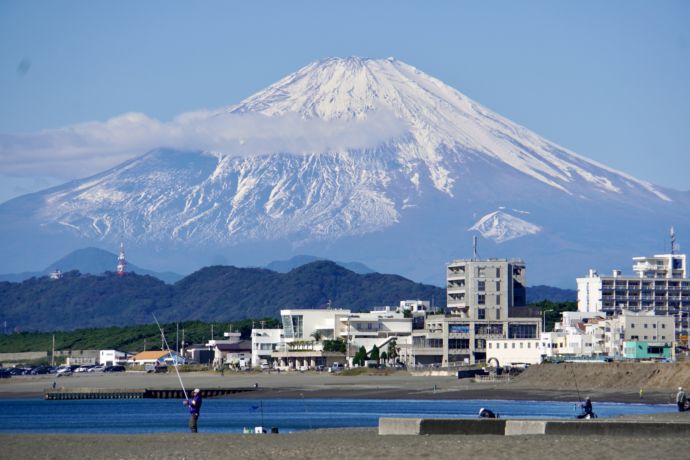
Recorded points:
121,263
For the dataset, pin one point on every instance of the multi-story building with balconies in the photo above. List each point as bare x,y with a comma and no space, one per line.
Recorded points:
485,300
660,285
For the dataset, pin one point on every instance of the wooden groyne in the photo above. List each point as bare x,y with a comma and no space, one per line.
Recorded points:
146,393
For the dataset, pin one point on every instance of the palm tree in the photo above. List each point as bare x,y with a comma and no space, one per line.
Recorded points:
316,335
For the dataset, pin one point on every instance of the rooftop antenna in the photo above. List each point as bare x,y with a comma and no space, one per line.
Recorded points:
674,247
474,247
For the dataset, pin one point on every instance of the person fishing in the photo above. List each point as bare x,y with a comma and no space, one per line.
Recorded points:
587,411
681,399
486,413
194,405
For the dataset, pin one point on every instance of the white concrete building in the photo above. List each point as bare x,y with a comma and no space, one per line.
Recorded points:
660,285
513,352
300,349
112,357
265,342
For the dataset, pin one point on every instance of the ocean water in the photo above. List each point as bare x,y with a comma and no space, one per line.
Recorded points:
232,416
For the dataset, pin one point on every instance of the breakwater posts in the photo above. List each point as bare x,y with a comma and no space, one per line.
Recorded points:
612,427
147,393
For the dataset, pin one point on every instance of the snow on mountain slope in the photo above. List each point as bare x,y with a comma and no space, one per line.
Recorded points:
447,160
440,119
501,226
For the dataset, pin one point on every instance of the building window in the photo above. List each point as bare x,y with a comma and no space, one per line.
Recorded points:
481,313
480,272
481,299
645,337
505,345
529,344
663,326
521,345
498,272
490,345
645,325
498,299
481,285
455,344
522,331
632,325
498,313
513,344
498,285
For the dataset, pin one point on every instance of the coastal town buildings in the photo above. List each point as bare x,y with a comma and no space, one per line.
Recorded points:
660,285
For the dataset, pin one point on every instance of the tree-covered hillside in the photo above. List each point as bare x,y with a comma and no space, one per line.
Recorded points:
218,293
127,338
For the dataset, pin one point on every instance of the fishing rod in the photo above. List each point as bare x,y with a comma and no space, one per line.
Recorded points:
575,380
165,341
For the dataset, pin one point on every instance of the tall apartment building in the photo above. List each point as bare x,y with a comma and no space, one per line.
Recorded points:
485,299
660,285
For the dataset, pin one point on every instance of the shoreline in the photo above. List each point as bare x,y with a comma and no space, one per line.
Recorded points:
312,385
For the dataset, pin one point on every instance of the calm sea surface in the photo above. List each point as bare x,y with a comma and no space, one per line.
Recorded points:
227,415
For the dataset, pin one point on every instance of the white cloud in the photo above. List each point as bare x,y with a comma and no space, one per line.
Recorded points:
87,148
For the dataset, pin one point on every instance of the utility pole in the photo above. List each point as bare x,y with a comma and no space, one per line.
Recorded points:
347,342
177,337
52,356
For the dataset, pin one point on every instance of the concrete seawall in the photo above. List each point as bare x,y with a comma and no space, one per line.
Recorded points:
420,426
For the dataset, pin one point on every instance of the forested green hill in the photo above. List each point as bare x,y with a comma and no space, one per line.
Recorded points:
218,293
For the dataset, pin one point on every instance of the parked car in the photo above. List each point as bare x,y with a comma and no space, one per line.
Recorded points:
155,368
336,367
64,371
116,368
96,369
5,373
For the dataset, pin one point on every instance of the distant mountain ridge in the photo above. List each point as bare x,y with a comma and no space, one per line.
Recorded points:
284,266
93,261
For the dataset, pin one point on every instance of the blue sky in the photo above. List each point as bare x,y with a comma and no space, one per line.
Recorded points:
609,80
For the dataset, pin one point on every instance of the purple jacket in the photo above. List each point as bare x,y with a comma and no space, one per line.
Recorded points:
195,404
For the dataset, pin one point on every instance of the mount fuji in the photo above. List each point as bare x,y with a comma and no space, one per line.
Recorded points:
397,170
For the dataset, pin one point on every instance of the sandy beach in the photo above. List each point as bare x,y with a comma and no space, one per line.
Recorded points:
397,385
341,443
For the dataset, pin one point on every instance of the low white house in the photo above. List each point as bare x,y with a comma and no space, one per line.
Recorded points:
112,357
513,352
265,342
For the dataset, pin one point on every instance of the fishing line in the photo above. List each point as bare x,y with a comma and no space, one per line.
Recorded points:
165,341
575,380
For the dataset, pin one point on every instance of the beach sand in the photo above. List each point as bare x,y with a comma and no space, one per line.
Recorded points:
398,385
340,443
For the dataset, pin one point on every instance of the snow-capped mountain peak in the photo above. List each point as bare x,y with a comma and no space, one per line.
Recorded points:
501,226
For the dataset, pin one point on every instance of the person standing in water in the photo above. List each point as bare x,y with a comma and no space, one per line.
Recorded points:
194,405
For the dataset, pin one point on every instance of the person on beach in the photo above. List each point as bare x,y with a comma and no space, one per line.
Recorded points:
681,399
587,411
486,413
194,405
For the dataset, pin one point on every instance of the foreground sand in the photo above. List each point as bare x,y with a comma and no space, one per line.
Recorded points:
341,443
